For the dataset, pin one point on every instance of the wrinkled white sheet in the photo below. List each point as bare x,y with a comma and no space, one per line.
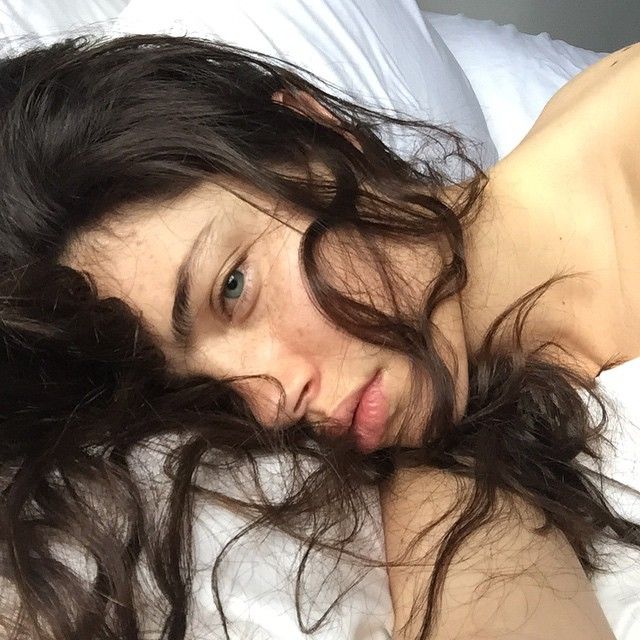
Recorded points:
514,74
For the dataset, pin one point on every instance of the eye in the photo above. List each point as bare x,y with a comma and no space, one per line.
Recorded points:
234,289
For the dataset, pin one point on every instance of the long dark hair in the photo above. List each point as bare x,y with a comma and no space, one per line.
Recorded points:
89,125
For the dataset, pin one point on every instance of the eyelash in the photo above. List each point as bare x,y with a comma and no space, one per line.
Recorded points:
222,301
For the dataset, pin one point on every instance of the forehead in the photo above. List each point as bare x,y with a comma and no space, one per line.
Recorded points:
135,254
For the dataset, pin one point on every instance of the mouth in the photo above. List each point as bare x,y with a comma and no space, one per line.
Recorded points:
371,415
365,413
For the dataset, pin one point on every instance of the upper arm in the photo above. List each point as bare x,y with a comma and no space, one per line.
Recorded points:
506,581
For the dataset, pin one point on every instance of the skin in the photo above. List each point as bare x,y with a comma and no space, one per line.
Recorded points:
568,195
518,241
567,199
317,363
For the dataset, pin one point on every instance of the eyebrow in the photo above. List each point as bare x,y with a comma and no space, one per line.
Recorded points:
182,317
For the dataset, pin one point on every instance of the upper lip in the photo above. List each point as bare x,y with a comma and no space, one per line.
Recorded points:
346,409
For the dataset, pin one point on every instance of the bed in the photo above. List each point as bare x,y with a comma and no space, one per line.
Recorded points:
487,81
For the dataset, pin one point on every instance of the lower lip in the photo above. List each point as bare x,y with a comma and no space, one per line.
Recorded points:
371,416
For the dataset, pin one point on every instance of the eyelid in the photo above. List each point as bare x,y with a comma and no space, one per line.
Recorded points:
216,298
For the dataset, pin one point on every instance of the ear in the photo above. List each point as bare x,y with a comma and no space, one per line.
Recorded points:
307,105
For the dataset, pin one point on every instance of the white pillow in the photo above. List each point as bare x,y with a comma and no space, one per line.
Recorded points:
513,74
47,19
383,54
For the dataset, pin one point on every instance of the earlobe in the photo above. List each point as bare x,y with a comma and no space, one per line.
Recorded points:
305,104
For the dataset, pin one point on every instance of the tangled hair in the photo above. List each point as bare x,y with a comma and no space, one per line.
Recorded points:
88,126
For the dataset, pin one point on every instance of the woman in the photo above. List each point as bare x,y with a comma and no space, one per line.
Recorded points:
197,241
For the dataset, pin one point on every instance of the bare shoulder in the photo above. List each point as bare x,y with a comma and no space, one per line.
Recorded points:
582,152
593,119
507,580
615,77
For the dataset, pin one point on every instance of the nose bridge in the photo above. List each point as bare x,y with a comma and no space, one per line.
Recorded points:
271,355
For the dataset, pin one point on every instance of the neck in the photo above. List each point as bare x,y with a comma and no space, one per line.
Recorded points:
518,240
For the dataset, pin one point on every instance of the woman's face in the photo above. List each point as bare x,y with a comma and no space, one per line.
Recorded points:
220,283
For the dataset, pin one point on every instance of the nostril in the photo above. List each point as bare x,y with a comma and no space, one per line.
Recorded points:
300,407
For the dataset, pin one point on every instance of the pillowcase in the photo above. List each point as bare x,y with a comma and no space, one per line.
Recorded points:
513,74
384,55
47,19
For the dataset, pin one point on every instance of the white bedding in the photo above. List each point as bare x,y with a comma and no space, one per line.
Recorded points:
618,590
47,19
513,74
498,75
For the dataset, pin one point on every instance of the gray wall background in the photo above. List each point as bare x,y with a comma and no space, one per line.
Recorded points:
599,25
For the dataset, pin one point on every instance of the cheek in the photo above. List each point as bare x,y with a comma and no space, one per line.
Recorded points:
451,346
292,317
380,272
287,304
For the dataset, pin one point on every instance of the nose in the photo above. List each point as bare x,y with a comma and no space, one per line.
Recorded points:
300,384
